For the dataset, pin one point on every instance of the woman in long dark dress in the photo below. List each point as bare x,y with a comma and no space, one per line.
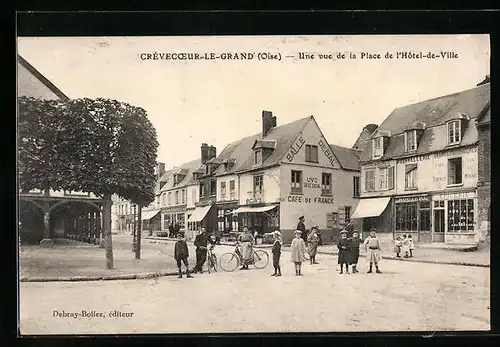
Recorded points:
343,257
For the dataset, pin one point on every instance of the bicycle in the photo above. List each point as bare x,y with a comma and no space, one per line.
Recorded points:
230,261
211,259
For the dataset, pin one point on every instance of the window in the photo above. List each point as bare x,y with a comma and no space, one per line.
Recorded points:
311,154
439,204
326,183
257,157
258,184
193,195
454,171
296,181
378,148
370,180
184,196
220,220
232,190
163,196
454,132
461,215
390,177
180,219
411,140
425,215
213,187
169,198
355,186
406,216
383,178
223,190
347,214
202,189
177,201
411,176
166,221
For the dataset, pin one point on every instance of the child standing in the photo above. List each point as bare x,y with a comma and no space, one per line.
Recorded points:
354,243
181,254
411,246
276,250
397,246
343,257
298,250
372,246
406,246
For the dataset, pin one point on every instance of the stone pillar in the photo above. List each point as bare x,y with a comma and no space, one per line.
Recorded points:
47,241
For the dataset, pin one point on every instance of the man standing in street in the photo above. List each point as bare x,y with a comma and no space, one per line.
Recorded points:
302,227
201,242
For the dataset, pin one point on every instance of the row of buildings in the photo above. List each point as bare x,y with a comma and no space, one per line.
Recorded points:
424,171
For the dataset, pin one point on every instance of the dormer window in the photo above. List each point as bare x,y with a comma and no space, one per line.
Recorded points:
411,140
378,147
454,132
257,157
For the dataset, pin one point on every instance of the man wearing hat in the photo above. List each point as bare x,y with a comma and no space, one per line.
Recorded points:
302,227
276,250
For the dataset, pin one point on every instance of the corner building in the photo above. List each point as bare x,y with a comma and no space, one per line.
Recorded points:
419,171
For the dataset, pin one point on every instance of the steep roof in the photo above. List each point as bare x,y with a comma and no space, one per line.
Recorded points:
485,116
241,151
348,157
433,113
187,169
41,78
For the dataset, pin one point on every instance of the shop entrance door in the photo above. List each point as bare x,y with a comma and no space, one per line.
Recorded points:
438,226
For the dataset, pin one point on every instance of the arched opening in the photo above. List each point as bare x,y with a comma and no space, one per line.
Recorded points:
30,222
77,220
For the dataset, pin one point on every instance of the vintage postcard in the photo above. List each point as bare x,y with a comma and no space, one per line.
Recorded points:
253,184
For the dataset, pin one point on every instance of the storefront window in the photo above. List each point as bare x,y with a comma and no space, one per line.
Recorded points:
460,215
180,219
425,215
406,216
220,220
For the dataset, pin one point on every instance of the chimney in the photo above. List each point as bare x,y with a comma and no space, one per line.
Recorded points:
268,122
204,153
212,152
160,169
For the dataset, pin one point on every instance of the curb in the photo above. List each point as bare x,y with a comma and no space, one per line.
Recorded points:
419,260
144,275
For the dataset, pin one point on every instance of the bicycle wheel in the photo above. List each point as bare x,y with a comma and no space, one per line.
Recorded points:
215,266
260,259
229,262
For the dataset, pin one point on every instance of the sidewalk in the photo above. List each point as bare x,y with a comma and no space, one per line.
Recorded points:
75,261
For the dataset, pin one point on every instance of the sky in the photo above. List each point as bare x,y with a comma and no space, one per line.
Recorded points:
191,102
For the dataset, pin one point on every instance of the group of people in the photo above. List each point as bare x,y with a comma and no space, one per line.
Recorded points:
404,245
181,252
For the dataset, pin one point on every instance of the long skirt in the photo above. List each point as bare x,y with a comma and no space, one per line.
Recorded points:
246,251
353,256
343,256
373,256
312,249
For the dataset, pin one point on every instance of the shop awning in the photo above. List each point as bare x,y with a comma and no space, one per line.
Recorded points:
370,207
253,209
147,215
199,213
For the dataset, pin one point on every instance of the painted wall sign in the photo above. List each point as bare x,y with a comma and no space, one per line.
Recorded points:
315,200
312,182
414,159
412,199
327,150
294,150
455,151
455,196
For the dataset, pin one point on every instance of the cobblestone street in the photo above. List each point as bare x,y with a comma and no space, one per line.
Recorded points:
407,296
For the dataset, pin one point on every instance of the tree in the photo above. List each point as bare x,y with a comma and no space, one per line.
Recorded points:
99,145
